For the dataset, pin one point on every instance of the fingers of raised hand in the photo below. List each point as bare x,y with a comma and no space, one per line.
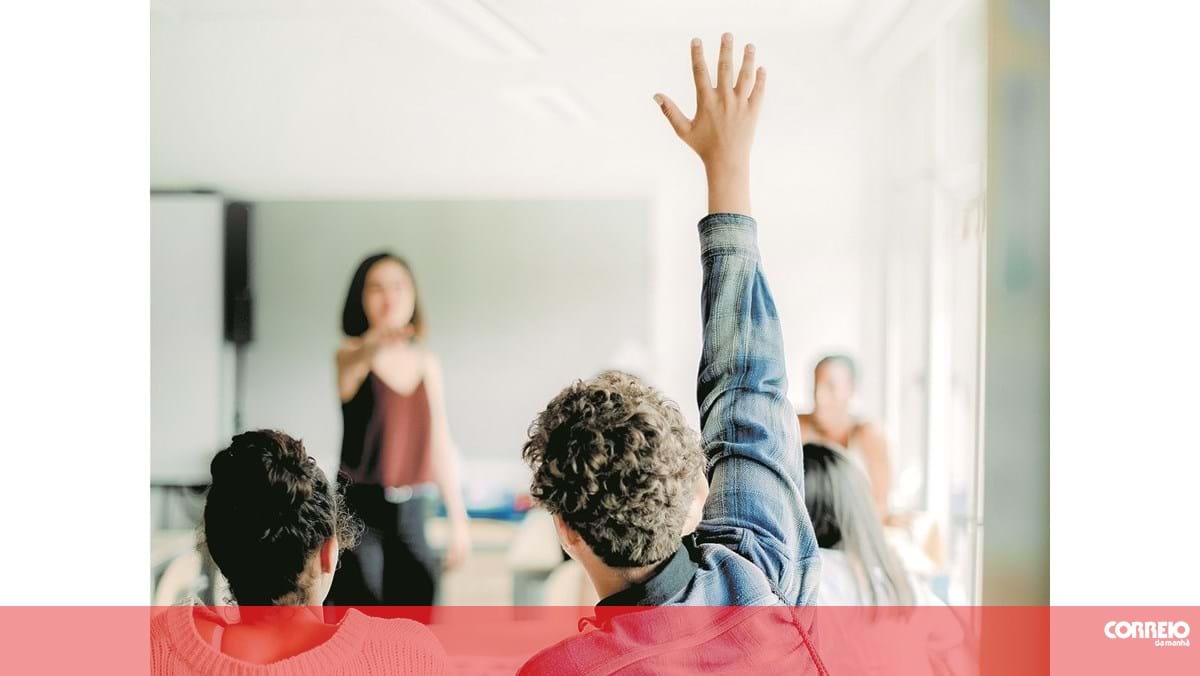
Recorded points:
745,81
725,64
700,70
679,122
760,88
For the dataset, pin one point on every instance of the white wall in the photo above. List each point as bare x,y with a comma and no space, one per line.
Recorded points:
520,298
279,113
808,187
190,364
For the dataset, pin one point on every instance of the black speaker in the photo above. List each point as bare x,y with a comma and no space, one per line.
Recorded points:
239,296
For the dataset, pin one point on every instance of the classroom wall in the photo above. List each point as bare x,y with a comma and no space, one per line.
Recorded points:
191,366
808,194
523,297
808,181
520,298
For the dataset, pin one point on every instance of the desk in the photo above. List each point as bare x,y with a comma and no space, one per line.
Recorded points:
484,578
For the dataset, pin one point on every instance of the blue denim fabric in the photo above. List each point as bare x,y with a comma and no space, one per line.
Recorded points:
755,545
756,542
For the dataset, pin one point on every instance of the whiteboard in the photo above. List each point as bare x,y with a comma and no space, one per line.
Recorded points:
191,365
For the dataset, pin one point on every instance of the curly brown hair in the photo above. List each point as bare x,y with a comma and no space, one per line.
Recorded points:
615,459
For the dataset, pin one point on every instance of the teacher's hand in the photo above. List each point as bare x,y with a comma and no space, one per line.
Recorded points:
376,339
459,546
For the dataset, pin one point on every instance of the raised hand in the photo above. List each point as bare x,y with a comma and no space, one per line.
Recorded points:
377,339
722,131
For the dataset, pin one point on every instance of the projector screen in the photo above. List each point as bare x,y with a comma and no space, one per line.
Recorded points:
191,403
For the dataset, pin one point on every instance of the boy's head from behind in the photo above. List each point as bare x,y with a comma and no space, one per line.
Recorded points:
615,462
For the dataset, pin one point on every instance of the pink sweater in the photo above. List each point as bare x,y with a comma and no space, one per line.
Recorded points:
361,645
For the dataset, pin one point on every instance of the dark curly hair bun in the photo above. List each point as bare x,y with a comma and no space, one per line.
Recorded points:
269,509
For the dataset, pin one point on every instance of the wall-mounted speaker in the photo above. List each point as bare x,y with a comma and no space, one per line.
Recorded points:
239,292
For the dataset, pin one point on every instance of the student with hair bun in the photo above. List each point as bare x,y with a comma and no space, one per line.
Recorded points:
275,526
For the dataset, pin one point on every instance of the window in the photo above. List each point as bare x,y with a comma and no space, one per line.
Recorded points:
930,117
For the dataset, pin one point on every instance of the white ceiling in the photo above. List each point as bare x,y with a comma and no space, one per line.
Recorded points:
326,98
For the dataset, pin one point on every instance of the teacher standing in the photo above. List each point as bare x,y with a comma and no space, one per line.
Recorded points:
396,445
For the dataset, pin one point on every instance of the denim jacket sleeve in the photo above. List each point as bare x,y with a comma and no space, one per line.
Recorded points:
751,435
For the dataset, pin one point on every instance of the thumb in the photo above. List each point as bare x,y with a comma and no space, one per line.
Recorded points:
678,120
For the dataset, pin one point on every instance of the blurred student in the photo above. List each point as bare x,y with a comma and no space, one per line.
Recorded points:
274,526
857,565
395,441
621,472
835,380
858,568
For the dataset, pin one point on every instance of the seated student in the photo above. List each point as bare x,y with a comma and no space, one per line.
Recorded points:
619,469
274,526
857,566
859,569
835,379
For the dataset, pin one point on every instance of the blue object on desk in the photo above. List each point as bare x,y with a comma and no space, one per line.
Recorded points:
497,512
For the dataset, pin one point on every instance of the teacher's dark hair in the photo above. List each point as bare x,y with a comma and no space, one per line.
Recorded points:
269,509
354,316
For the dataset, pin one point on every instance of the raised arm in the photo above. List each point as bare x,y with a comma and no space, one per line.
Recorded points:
755,504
